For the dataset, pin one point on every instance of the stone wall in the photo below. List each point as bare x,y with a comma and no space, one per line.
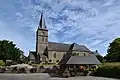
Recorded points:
55,56
78,53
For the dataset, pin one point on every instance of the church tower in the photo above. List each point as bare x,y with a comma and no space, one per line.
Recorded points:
41,39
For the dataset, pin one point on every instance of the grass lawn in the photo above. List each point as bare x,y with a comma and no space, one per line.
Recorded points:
112,64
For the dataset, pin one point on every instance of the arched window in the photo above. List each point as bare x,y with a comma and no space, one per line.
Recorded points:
46,39
42,39
77,54
54,55
84,54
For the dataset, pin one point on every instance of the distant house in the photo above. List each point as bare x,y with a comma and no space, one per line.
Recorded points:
32,56
23,58
53,52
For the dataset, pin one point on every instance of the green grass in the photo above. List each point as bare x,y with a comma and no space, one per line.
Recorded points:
110,64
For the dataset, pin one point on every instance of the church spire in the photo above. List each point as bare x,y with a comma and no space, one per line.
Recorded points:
42,24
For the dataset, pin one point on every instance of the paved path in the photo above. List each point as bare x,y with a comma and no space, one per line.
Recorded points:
38,76
44,76
84,78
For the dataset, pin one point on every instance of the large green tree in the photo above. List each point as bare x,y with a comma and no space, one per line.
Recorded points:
8,50
114,51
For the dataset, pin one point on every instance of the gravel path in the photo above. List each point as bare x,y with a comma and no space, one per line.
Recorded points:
45,76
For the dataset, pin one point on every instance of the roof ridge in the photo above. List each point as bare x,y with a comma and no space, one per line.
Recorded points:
59,43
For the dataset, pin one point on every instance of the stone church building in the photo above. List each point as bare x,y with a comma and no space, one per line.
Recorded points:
52,52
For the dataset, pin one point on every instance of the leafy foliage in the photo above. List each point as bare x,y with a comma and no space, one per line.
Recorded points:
2,63
100,58
9,51
109,70
114,51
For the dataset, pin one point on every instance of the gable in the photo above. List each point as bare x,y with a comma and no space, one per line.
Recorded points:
81,48
32,55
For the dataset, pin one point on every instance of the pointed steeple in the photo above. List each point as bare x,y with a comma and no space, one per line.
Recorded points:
42,24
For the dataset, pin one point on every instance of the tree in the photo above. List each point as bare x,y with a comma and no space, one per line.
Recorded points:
8,50
100,58
114,51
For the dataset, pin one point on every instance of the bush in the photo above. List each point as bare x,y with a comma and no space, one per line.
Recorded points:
42,69
109,70
14,70
48,70
55,69
8,63
8,70
2,63
22,70
33,70
85,72
2,70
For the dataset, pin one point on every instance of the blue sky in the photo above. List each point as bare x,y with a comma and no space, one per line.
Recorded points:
94,23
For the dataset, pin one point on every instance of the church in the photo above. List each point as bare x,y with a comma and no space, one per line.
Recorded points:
53,52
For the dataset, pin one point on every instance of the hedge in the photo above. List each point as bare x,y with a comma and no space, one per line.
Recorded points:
109,70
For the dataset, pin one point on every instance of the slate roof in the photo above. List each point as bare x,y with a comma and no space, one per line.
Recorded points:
58,46
65,47
78,47
95,53
83,60
32,55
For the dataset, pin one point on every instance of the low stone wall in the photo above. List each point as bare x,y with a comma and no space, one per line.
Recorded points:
15,69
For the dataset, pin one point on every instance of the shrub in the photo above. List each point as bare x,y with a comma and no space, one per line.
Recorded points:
85,72
109,70
14,70
55,69
42,69
33,70
2,63
8,62
8,70
14,63
2,70
48,70
22,70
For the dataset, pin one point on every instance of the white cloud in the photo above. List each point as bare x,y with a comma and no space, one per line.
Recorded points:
91,22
